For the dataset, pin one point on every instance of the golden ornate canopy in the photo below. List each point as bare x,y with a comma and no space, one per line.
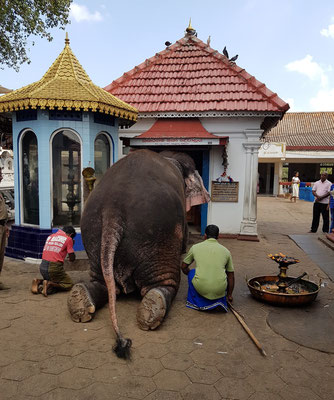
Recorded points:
66,85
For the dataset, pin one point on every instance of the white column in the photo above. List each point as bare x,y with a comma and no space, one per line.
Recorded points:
249,224
275,188
278,178
255,167
247,183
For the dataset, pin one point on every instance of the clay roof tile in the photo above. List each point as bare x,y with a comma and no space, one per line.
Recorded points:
191,76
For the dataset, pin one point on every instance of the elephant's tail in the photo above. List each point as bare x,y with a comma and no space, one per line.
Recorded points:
111,237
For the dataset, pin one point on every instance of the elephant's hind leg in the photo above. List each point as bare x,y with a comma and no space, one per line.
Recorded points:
85,299
80,304
154,306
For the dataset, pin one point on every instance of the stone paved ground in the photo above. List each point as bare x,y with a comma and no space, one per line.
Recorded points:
43,354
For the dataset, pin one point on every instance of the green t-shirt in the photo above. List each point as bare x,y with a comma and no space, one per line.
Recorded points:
212,262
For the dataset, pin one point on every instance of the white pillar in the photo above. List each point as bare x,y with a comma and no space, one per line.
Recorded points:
278,178
247,183
249,224
255,167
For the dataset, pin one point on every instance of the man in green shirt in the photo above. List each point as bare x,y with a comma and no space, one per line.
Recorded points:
212,281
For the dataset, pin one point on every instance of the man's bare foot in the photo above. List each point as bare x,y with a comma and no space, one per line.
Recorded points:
34,286
45,288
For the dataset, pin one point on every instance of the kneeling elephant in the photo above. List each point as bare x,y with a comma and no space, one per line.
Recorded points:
134,230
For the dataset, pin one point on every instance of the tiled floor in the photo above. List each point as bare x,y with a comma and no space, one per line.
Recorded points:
193,355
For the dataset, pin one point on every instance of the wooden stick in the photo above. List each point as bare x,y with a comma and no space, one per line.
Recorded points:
250,333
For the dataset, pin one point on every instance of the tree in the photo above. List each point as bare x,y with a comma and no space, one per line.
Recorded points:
20,19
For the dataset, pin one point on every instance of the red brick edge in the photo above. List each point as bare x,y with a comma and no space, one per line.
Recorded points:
228,236
249,238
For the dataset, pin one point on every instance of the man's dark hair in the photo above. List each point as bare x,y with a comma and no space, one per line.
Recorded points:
212,231
69,230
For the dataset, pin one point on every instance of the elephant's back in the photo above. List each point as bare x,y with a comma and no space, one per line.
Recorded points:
138,187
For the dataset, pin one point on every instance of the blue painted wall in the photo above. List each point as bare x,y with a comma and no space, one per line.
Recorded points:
205,178
43,128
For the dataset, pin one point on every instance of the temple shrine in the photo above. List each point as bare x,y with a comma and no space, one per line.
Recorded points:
192,98
62,124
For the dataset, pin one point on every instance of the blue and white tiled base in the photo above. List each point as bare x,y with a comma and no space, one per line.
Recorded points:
28,242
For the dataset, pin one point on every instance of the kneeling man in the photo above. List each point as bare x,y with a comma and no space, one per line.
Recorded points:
55,250
211,283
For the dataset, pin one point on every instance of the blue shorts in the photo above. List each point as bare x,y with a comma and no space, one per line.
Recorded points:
198,302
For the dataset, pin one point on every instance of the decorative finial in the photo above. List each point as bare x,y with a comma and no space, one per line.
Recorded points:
190,30
67,40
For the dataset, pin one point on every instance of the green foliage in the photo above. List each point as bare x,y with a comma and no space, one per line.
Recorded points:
20,19
285,173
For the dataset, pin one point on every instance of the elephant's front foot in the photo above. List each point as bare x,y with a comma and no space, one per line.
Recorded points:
152,310
80,304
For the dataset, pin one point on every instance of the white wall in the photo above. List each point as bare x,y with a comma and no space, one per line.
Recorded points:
228,216
244,133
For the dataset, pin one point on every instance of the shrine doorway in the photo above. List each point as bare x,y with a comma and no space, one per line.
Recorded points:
66,178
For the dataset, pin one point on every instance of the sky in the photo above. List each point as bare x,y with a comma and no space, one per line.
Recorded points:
288,44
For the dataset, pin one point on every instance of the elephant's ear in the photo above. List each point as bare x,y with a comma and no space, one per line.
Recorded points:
195,191
186,163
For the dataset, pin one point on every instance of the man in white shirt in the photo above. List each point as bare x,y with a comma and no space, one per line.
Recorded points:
321,195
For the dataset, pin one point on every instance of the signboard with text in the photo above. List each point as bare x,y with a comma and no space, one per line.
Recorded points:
225,191
173,141
272,150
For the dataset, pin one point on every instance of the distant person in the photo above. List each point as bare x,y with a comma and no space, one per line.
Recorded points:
295,187
321,193
211,283
56,248
331,208
4,231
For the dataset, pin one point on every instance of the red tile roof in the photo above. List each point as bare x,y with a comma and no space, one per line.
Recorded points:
305,131
191,76
177,128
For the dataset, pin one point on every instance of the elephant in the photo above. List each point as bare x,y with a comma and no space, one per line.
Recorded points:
134,231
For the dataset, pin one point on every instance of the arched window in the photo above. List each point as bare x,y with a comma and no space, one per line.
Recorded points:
66,178
29,179
101,156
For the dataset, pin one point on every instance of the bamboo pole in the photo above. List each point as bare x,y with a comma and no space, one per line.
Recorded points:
249,332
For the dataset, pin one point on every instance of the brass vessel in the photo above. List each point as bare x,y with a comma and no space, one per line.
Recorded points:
281,289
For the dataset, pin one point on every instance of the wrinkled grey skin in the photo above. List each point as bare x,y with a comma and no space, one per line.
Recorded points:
134,230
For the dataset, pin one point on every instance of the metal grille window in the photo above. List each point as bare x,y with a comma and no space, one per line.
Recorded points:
100,118
26,115
65,115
